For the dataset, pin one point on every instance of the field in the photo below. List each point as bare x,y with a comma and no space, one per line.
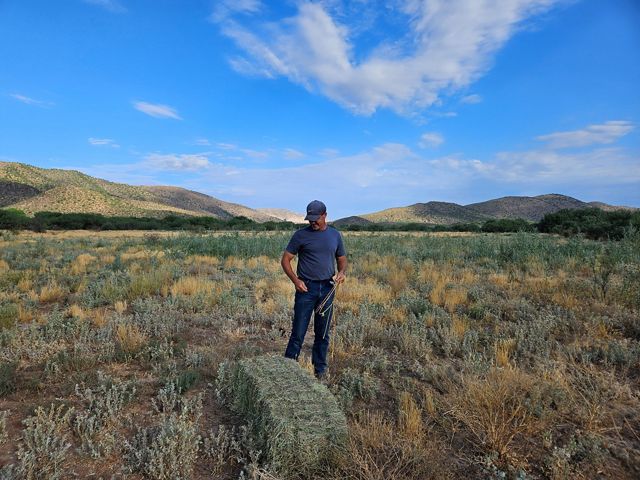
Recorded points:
453,356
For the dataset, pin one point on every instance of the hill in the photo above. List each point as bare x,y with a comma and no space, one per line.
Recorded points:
445,213
34,189
283,214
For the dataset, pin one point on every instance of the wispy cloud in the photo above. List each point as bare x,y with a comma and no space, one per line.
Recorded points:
157,110
181,162
444,47
293,154
329,152
110,5
103,142
431,139
202,141
226,146
604,133
225,8
31,101
471,99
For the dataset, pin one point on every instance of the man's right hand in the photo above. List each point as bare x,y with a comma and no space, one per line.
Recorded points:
300,286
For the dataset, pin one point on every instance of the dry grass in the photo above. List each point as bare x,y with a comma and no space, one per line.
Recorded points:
129,338
234,263
459,326
25,315
352,294
192,286
50,293
120,306
80,264
4,266
495,411
410,417
377,450
25,283
99,317
503,351
76,311
137,254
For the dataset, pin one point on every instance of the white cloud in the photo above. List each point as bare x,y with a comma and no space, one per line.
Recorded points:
431,139
226,146
444,47
182,162
110,5
471,99
157,110
226,8
329,152
604,133
103,142
293,154
203,142
31,101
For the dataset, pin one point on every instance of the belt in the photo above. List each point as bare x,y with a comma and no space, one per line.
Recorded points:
316,281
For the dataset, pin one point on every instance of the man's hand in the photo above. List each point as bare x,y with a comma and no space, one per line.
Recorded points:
339,277
300,286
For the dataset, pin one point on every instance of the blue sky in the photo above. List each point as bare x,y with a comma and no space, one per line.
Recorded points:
363,104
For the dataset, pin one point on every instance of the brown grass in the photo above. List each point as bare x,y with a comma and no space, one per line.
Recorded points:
129,338
80,264
51,292
495,412
409,416
503,351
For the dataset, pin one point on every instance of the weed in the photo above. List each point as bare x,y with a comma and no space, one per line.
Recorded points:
167,451
4,434
8,378
45,443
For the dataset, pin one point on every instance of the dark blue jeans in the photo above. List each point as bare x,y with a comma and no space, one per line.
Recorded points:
305,304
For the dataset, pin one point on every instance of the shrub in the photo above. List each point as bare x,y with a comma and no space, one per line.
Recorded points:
8,378
103,404
45,444
167,451
3,427
500,408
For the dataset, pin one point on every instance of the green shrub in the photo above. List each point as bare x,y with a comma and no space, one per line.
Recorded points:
8,378
45,444
8,315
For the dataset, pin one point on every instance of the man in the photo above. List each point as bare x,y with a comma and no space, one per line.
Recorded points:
319,247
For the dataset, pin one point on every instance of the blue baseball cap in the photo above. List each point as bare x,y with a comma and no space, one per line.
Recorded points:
315,210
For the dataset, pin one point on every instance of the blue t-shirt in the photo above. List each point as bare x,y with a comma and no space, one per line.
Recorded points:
317,251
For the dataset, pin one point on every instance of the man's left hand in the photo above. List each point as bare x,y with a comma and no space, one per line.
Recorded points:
339,277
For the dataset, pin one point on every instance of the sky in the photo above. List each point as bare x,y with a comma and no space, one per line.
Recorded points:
363,104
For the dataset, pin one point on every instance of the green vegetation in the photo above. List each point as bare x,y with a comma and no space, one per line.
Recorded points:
592,222
488,355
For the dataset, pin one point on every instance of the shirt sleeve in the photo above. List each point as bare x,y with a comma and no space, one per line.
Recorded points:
294,244
340,251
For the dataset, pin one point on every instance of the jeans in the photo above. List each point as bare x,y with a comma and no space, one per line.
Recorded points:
305,304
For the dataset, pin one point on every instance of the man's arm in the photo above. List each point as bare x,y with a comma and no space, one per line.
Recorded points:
342,268
286,266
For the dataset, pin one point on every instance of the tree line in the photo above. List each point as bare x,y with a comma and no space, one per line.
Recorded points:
592,223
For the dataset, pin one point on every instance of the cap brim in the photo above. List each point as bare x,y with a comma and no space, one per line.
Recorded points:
312,218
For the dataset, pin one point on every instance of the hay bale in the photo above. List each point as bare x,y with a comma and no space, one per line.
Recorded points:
295,420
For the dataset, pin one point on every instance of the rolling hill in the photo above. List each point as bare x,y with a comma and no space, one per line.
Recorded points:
32,189
444,213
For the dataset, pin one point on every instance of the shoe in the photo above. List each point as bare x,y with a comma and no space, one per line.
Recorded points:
321,375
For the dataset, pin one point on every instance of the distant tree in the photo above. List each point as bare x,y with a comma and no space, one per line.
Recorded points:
12,219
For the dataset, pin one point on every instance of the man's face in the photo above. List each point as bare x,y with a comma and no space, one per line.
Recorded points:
320,223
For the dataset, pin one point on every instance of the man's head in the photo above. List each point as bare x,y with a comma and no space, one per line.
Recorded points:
317,215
